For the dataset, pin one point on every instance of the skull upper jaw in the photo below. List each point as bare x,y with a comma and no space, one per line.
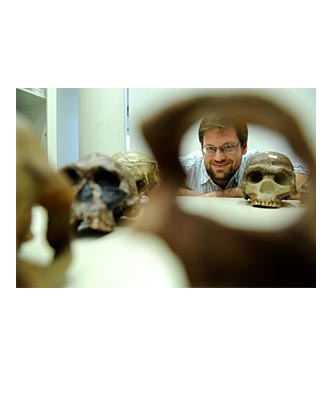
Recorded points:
258,201
83,217
270,196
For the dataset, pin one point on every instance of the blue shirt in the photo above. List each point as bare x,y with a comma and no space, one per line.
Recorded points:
197,178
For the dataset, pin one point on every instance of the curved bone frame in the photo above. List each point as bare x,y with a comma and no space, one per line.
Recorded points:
215,255
38,184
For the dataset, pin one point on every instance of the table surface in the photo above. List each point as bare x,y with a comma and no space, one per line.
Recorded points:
125,259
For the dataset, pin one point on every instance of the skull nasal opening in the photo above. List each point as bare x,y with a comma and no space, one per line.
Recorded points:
111,193
85,194
267,187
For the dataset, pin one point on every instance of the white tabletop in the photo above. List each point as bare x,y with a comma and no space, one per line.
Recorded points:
127,259
238,213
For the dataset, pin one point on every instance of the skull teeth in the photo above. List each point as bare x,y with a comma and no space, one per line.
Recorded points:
266,203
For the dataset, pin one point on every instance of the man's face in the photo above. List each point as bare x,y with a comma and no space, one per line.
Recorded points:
221,166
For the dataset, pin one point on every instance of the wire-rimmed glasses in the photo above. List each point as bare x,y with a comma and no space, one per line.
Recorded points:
226,149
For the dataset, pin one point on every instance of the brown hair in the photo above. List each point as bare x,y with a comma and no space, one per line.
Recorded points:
240,126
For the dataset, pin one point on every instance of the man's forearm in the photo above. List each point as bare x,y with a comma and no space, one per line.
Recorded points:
186,192
235,192
229,193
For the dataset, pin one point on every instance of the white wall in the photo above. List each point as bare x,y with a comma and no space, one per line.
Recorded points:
84,121
89,120
62,125
143,102
67,126
102,120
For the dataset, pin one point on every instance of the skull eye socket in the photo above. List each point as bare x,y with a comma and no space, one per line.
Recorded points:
140,184
73,176
282,178
255,177
106,180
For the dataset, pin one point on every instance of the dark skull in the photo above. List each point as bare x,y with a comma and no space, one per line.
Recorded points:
105,191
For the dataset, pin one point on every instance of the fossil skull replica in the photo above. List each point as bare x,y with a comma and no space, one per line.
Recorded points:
104,192
268,179
144,169
38,184
216,255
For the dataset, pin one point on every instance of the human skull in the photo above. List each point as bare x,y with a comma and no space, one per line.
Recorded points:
105,191
268,179
144,169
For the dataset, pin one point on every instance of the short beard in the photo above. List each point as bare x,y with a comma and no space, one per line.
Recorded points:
217,180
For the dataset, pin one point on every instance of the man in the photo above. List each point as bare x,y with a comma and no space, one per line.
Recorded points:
217,170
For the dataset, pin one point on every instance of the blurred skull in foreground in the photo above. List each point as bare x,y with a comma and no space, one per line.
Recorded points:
38,184
104,191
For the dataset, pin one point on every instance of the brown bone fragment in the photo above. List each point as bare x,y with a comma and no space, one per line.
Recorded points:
38,184
216,255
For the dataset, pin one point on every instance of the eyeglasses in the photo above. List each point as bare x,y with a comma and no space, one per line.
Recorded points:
227,149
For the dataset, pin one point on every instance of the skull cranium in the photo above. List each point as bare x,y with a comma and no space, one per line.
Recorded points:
144,169
268,179
105,191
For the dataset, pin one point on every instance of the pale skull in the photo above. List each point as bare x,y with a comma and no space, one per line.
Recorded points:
144,169
268,179
105,191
